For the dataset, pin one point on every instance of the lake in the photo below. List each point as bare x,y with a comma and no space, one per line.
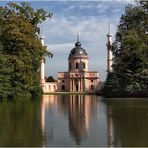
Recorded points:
74,120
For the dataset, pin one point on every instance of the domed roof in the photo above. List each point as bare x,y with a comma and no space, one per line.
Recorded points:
77,50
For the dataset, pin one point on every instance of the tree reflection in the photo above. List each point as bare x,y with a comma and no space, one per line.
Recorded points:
20,123
127,122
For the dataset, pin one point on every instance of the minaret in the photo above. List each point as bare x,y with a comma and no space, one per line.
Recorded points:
42,68
109,51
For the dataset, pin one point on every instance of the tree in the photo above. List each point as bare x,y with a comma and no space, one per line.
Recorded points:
50,79
20,49
131,50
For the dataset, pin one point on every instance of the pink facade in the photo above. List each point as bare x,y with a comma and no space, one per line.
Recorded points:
78,82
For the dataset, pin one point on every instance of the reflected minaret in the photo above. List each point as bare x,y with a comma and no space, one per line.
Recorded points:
47,102
110,128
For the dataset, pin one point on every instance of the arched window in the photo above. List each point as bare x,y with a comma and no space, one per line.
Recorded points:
49,88
63,87
77,65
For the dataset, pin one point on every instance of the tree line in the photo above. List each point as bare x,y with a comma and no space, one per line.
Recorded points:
130,51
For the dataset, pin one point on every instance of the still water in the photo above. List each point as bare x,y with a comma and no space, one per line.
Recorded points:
74,120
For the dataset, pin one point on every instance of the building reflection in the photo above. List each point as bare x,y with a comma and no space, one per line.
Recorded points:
78,109
79,116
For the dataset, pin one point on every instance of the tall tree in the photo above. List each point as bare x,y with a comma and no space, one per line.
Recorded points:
131,51
20,49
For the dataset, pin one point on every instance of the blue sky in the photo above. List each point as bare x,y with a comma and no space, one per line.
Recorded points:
90,19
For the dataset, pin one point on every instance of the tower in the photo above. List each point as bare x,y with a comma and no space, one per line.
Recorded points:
42,67
109,51
78,65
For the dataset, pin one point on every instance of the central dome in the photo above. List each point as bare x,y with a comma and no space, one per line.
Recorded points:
77,50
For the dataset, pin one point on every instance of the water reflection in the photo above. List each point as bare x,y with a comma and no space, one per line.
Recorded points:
127,122
78,110
74,120
78,115
46,102
110,127
20,123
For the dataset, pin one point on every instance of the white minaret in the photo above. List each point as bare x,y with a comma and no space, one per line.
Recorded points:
42,68
109,51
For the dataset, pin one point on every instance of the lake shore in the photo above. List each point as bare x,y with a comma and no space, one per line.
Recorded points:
124,94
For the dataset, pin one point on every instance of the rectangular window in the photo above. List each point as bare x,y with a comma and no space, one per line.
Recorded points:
84,65
76,65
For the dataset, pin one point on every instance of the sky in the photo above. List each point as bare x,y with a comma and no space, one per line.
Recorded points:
88,18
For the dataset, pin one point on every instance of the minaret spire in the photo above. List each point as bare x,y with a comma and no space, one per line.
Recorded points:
108,28
109,50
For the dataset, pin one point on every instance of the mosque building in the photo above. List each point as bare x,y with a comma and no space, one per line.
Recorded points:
78,78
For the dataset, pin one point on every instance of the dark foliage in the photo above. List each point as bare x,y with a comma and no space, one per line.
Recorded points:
20,49
130,65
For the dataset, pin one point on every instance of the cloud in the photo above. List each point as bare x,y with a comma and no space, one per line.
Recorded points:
63,47
82,6
102,7
70,7
125,1
95,6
